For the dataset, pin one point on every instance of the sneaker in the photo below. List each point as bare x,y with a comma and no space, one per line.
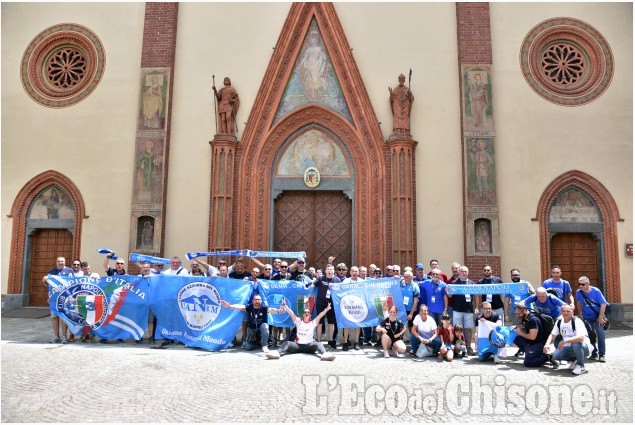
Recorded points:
594,356
151,340
55,340
345,346
398,354
356,346
554,362
572,365
64,340
412,353
333,344
470,351
327,357
602,359
497,360
272,355
71,338
386,355
579,370
265,349
520,353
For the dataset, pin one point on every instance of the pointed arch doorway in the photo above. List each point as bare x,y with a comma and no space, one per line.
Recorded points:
318,222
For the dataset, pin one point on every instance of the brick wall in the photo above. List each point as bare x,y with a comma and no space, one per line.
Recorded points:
474,33
159,35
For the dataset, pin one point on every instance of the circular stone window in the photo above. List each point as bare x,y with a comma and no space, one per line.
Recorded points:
62,65
566,61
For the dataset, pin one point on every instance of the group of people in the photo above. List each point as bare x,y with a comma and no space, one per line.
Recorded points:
443,326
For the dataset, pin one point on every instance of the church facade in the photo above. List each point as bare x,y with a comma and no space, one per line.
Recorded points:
380,133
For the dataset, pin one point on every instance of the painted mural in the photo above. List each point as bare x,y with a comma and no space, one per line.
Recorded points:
313,149
574,206
477,91
154,90
52,204
481,176
148,171
313,79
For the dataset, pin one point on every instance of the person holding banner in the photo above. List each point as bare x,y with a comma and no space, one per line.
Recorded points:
176,268
257,322
120,266
304,341
391,330
497,300
324,299
354,278
463,308
425,333
59,270
211,270
516,298
488,315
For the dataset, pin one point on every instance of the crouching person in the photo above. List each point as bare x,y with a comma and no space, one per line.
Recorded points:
571,341
531,338
256,322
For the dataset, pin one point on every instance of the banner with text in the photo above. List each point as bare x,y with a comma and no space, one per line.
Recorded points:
188,309
366,302
495,288
296,296
109,307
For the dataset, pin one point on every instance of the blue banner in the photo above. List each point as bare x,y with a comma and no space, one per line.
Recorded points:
188,309
109,307
366,303
247,253
496,288
296,297
140,258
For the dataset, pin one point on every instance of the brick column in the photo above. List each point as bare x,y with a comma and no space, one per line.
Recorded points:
480,201
221,193
147,224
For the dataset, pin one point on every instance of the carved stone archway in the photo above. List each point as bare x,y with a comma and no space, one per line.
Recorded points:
610,216
19,212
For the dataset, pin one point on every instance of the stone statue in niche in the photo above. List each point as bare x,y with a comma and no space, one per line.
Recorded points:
483,238
228,103
401,100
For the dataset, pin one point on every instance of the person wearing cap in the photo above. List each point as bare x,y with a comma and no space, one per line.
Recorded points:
300,271
531,338
487,315
420,275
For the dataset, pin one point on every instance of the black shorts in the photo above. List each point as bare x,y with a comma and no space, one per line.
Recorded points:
411,322
330,315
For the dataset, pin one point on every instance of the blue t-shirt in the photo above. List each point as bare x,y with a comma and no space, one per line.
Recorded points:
515,299
596,297
433,295
409,292
551,306
550,284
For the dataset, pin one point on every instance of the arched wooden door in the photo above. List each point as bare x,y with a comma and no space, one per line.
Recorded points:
47,245
577,255
317,222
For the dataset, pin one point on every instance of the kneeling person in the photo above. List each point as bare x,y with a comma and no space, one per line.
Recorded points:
572,341
256,322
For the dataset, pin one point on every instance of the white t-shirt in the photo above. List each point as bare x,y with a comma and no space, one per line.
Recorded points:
425,329
566,330
181,271
305,331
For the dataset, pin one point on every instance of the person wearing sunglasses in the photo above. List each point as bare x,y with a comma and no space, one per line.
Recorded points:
304,341
120,266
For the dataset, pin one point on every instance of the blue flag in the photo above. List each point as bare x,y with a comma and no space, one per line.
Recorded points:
110,307
493,338
188,309
296,297
366,303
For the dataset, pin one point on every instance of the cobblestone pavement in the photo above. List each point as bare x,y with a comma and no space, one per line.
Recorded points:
128,382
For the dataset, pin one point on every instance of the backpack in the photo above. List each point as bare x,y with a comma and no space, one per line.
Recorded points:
593,336
546,325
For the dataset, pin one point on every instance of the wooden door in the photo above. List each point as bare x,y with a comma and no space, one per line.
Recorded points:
576,254
319,223
47,245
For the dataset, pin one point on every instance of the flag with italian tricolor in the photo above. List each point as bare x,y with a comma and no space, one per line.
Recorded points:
91,308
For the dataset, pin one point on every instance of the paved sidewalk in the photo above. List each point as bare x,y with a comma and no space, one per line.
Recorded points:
90,382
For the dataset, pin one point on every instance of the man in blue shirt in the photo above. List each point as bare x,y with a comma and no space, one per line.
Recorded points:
561,286
592,305
410,292
433,293
59,270
545,303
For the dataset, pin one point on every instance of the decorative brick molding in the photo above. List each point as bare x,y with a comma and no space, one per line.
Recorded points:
19,212
221,197
62,65
566,61
610,216
256,153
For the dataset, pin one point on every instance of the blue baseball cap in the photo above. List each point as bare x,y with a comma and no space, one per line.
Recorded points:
420,266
